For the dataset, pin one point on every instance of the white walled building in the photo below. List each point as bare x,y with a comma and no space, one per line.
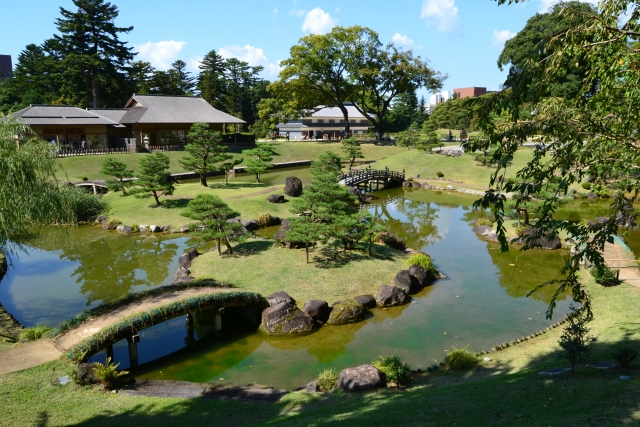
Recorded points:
437,98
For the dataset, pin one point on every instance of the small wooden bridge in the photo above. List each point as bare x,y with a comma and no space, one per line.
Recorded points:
368,177
98,186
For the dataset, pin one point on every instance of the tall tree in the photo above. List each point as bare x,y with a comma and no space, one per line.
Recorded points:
154,177
29,193
257,161
405,112
352,150
141,77
593,135
93,54
214,214
181,80
211,80
205,150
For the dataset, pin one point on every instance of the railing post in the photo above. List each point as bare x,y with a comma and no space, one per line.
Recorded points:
132,343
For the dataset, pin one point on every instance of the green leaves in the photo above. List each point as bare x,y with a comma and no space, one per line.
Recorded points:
258,158
118,169
154,177
214,215
206,151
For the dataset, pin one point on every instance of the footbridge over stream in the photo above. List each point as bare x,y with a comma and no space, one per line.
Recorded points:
368,178
100,332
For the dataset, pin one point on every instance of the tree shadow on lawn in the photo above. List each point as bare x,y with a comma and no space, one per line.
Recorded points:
236,186
482,396
331,257
253,247
173,203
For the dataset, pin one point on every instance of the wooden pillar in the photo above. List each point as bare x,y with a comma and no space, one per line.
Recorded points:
132,343
191,337
109,351
217,325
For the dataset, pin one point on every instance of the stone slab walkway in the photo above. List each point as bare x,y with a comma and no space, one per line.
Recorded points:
188,390
616,257
27,356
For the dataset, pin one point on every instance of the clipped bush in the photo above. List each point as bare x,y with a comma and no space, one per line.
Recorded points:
625,356
107,373
328,379
84,178
519,229
396,372
423,260
439,174
483,221
264,220
604,275
586,185
35,333
390,240
460,359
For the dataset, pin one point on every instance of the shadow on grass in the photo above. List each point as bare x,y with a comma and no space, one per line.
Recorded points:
331,257
237,185
483,396
250,248
173,203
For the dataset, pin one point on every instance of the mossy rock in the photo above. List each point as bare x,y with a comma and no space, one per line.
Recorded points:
347,311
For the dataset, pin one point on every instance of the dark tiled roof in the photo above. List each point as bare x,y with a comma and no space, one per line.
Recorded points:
61,115
174,109
114,114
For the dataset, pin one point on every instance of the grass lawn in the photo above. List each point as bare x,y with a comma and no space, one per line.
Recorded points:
78,167
260,267
248,199
506,391
463,168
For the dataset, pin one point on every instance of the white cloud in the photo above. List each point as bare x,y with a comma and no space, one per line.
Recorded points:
401,40
160,54
298,13
274,69
545,5
318,21
250,54
501,36
441,13
194,63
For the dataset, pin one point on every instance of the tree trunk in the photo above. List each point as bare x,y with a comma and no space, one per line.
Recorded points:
155,195
525,213
219,247
306,248
95,88
229,248
353,159
203,180
257,178
226,177
345,113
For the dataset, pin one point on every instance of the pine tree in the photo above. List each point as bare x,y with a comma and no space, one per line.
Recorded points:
181,80
93,55
211,81
205,150
263,154
117,169
214,215
303,229
153,177
352,150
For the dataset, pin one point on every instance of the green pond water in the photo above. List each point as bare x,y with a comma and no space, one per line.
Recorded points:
482,303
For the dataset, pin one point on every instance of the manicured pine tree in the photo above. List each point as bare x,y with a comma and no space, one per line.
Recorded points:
205,150
228,166
118,169
352,150
263,154
214,215
153,177
303,229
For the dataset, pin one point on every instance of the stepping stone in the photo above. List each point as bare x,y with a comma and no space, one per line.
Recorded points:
601,365
554,371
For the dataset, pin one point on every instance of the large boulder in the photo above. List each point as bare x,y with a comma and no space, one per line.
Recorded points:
275,198
280,297
183,279
420,274
390,295
347,311
293,186
185,229
166,227
250,224
241,229
544,242
483,229
285,319
186,258
127,229
317,309
361,378
592,195
405,281
354,191
390,240
367,301
155,228
86,374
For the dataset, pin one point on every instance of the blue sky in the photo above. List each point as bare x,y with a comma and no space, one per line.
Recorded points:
460,38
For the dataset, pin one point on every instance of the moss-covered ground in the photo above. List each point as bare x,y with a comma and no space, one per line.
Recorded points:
258,266
506,391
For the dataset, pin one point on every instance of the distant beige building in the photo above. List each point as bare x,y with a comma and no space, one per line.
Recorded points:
326,123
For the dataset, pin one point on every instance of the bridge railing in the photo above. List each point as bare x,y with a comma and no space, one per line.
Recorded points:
69,152
362,175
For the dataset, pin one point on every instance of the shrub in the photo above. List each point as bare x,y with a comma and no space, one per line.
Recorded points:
439,174
83,204
604,275
35,332
520,229
108,373
484,221
410,179
423,260
460,358
328,379
601,190
264,220
394,369
390,240
84,178
625,356
586,185
575,336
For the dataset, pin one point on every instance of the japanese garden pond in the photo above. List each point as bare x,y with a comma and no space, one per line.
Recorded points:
482,302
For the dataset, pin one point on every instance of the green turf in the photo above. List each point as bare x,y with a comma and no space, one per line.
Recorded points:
258,266
78,167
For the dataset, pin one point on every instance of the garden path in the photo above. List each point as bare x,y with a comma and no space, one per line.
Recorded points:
615,257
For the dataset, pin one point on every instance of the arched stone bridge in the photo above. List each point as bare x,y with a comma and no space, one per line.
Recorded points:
367,177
